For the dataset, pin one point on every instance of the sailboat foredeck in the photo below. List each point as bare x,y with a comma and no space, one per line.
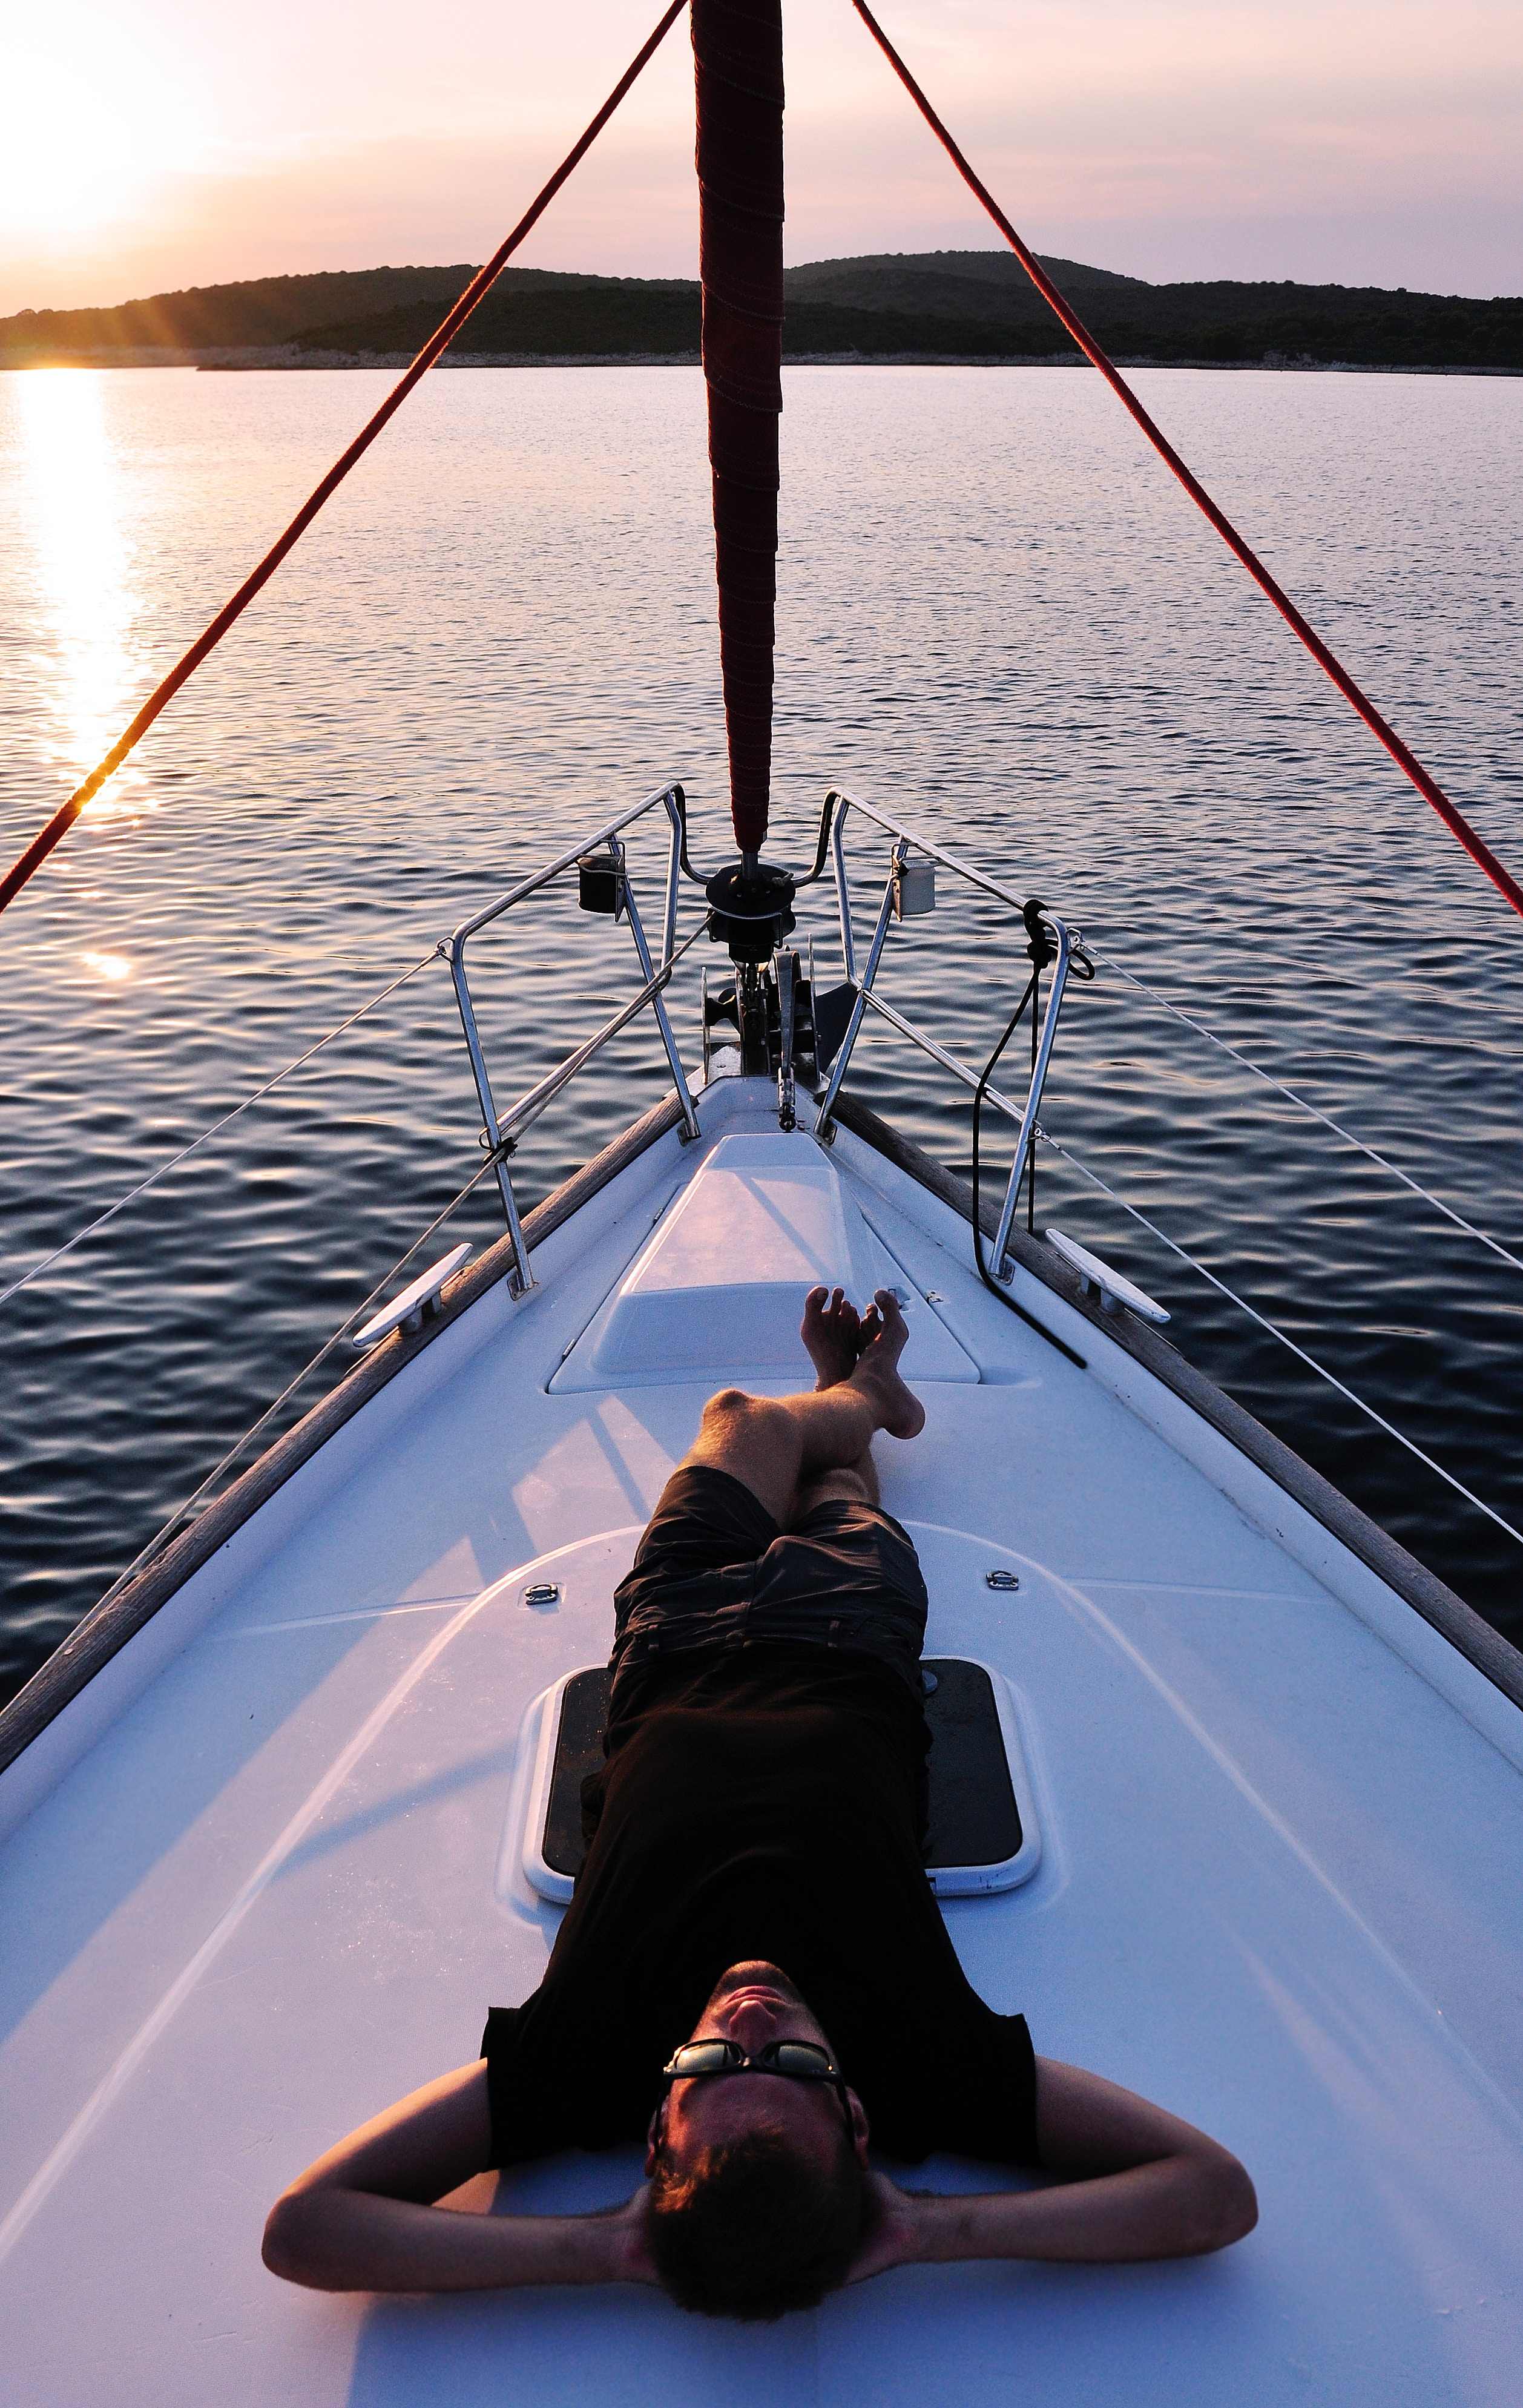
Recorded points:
285,1883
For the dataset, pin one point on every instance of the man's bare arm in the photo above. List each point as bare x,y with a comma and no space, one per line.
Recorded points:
1133,2182
364,2217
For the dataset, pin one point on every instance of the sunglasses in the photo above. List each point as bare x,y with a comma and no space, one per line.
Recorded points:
795,2060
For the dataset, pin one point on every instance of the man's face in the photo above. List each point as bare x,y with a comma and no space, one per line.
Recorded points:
753,2004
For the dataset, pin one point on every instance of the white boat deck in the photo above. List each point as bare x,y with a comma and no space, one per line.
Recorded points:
1283,1860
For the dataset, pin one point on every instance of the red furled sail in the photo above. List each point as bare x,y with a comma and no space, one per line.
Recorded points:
738,59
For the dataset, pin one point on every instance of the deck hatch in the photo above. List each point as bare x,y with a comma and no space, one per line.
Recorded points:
978,1840
716,1292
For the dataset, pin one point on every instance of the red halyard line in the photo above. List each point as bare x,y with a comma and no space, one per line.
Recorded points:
63,818
1428,786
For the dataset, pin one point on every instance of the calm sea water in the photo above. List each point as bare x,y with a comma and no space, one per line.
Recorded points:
997,615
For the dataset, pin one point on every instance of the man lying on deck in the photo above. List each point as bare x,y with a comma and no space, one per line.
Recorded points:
753,1974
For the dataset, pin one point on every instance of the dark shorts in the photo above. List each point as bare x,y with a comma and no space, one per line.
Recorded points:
714,1572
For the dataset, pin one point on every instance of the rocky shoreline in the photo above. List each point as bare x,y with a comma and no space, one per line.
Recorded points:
289,357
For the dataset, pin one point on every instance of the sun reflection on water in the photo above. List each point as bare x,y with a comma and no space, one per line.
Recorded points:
73,496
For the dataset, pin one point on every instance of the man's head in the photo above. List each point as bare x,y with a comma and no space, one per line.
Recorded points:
757,2182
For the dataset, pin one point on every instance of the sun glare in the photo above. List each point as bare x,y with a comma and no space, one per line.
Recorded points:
90,127
72,498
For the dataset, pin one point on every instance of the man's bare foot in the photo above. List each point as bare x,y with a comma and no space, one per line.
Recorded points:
831,1332
884,1337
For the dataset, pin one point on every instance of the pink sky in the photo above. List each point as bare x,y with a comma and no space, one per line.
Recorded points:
162,143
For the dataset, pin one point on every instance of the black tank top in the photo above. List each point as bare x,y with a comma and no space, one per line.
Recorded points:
759,1804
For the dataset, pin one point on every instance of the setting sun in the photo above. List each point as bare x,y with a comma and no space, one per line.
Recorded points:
91,123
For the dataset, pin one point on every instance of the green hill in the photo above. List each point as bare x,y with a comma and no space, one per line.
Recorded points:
953,283
968,303
274,310
1221,320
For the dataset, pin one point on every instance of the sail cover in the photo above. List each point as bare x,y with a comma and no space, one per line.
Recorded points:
737,59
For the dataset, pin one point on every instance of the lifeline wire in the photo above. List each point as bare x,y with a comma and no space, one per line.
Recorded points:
1310,1360
164,1167
63,818
1407,761
159,1536
1314,1110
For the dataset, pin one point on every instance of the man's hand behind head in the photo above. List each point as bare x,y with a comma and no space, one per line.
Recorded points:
890,2233
633,2258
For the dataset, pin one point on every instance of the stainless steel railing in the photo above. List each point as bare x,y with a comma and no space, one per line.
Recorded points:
1066,948
502,1130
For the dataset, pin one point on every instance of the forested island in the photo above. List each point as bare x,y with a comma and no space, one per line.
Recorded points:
950,305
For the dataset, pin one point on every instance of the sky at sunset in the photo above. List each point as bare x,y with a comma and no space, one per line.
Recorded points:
161,143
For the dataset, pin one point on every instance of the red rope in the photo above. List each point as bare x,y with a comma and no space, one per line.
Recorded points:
63,819
1407,761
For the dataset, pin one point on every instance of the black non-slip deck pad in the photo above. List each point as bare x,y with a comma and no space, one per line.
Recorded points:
974,1818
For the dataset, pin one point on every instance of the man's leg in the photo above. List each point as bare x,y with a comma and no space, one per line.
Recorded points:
778,1445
